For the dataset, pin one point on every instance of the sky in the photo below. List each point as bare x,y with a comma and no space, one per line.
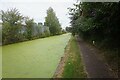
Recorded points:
36,9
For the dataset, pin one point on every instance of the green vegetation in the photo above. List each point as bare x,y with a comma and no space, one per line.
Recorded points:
33,59
29,26
11,26
16,27
74,67
68,29
98,22
52,21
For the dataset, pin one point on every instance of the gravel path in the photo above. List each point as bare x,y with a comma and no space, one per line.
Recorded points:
94,64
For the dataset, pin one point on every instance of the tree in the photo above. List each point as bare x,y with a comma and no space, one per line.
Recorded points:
96,21
52,22
47,31
68,29
63,31
11,29
29,27
99,22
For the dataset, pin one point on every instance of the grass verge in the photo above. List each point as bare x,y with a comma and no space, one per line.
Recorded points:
73,66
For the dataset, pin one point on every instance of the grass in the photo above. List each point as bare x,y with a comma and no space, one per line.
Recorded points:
74,67
33,59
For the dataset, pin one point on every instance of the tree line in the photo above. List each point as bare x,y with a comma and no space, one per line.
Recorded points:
17,28
98,22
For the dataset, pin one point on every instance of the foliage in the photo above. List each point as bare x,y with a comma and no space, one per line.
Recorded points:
29,27
52,22
12,20
98,22
68,29
47,32
16,27
63,31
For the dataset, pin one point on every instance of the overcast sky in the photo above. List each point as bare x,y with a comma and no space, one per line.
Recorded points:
36,9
